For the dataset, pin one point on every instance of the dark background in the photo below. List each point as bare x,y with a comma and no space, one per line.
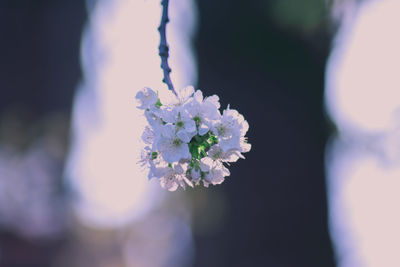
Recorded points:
265,60
274,75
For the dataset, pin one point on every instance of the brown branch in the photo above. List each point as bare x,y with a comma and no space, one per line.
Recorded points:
163,48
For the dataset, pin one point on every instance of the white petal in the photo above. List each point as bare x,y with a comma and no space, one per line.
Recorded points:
244,147
210,111
188,181
168,115
146,98
214,99
182,183
244,128
206,164
153,118
226,171
232,156
168,184
170,155
168,131
192,108
232,142
148,136
198,96
184,135
185,93
203,129
178,169
190,126
195,174
184,152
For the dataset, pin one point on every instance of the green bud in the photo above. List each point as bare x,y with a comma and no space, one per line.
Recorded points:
158,104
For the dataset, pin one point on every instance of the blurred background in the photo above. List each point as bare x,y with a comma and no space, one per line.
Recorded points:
318,82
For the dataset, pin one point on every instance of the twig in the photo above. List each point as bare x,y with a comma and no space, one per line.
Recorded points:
163,48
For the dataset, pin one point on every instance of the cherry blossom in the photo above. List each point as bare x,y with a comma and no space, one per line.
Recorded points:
188,141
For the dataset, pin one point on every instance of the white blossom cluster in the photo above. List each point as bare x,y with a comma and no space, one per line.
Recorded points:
189,141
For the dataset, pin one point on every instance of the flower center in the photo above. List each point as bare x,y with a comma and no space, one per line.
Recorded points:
197,120
217,155
179,124
221,130
177,142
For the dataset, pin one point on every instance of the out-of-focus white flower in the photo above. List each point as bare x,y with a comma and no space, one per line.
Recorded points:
171,147
148,136
189,141
151,159
147,98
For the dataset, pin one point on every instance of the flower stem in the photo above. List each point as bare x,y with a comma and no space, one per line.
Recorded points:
163,48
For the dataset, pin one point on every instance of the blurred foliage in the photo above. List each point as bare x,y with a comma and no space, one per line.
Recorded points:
304,16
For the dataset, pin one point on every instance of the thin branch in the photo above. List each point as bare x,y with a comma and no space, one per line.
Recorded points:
163,48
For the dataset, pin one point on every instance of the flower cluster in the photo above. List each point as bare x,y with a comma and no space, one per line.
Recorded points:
189,141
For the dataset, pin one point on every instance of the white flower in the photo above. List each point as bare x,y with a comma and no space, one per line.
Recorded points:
216,175
170,177
145,156
153,117
214,170
148,136
185,126
171,147
202,112
216,153
147,98
230,129
185,94
214,99
173,177
190,120
150,159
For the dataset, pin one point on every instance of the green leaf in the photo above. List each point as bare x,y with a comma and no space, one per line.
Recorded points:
198,139
201,148
158,104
